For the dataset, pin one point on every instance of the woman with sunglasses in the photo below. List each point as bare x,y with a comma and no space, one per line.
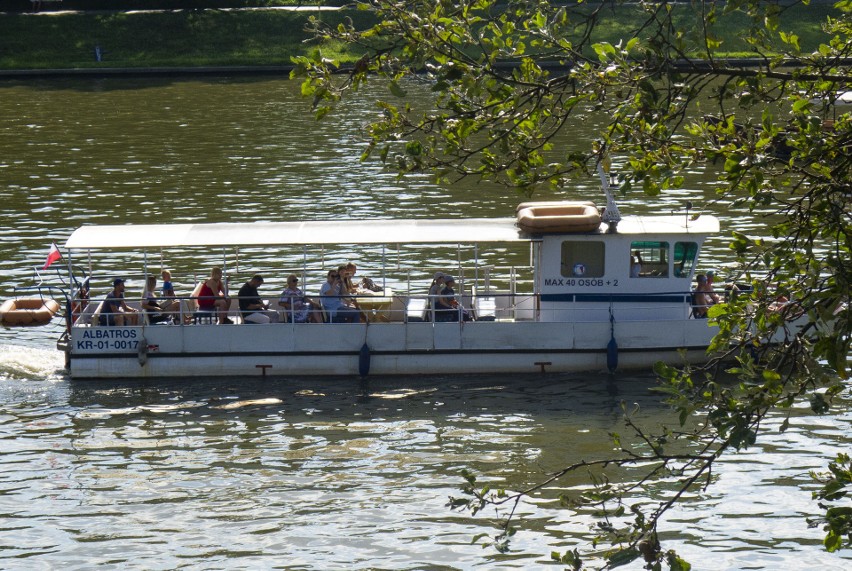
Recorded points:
333,295
298,307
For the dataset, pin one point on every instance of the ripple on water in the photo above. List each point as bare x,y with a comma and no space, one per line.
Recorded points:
321,474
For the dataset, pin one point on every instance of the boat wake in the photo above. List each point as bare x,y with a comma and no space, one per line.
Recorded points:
21,362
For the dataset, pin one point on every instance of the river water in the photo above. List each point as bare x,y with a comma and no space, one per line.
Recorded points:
327,473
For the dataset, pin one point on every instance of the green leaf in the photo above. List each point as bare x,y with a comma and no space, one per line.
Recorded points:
623,557
396,90
801,105
631,43
833,541
604,51
676,563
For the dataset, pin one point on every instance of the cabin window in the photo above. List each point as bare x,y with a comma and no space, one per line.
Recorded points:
685,254
582,259
649,259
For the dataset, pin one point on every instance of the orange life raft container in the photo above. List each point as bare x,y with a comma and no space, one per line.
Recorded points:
28,311
537,217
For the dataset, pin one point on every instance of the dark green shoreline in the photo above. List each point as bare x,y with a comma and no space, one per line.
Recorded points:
253,41
271,70
282,70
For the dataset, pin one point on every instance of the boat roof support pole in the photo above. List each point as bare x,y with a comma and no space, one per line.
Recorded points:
475,263
145,266
72,281
225,270
460,272
304,264
535,262
384,267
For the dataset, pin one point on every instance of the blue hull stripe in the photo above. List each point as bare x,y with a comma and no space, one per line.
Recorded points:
162,354
616,298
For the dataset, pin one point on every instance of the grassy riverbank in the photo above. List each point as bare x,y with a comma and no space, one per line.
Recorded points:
160,39
195,38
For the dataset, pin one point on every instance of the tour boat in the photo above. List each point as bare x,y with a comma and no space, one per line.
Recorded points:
583,303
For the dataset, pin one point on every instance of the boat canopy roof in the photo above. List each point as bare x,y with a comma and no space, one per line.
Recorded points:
674,224
372,231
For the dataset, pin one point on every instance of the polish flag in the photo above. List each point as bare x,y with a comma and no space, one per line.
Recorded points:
52,256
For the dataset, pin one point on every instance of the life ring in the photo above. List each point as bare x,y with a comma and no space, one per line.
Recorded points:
565,217
28,311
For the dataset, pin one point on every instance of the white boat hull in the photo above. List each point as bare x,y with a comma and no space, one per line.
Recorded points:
393,348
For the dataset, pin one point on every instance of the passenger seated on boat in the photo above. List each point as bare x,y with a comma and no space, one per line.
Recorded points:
447,307
347,272
434,290
168,288
348,288
300,309
711,276
114,310
155,310
701,299
81,301
252,308
635,264
212,297
331,296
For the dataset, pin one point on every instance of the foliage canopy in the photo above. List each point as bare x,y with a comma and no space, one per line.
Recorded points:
507,76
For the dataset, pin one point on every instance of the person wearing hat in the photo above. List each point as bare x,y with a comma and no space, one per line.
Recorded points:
252,307
447,307
435,290
114,310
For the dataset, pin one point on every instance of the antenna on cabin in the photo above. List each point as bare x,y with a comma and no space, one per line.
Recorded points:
609,181
688,208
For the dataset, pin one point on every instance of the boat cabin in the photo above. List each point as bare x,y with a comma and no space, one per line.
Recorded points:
645,268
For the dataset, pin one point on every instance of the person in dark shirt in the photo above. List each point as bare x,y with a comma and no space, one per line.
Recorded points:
252,307
114,310
447,307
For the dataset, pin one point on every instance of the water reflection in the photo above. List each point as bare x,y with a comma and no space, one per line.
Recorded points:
292,471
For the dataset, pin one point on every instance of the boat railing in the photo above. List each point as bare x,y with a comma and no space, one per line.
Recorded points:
43,291
480,305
